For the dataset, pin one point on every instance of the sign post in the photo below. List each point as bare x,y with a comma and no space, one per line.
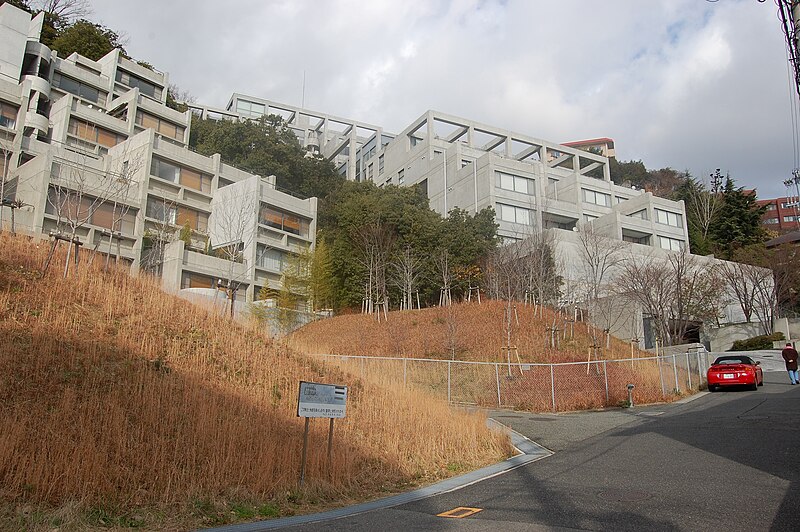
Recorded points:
319,400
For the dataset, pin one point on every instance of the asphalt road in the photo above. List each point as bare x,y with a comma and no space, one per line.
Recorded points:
728,460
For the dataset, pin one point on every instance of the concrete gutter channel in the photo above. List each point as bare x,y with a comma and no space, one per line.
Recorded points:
529,452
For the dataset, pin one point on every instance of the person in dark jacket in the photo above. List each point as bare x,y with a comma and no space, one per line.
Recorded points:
789,354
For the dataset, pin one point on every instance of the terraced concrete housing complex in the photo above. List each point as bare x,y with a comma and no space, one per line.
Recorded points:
91,146
531,183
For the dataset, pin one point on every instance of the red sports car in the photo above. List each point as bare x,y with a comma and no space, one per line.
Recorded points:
734,370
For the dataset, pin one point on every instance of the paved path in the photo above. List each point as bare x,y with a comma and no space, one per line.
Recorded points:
721,461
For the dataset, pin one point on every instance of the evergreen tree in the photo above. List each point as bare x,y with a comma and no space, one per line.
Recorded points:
738,222
86,38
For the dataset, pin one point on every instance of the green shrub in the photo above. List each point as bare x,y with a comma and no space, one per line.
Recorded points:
757,342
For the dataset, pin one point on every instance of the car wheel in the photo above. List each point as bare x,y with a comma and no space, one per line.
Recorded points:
712,388
754,386
761,382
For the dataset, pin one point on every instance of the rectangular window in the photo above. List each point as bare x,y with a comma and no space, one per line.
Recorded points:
250,109
94,134
380,164
465,162
771,206
144,86
178,174
512,214
400,176
269,258
291,223
369,172
515,183
597,198
589,217
195,280
170,213
8,115
168,129
90,210
772,221
639,214
669,218
671,244
82,90
791,218
788,204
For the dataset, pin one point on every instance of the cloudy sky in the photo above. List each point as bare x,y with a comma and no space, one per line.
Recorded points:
690,84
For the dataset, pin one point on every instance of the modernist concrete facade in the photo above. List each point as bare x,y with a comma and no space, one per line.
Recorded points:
94,143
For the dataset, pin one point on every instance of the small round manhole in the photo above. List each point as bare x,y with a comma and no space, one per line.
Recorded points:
623,495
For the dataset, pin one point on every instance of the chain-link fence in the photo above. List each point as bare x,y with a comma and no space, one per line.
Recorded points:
539,387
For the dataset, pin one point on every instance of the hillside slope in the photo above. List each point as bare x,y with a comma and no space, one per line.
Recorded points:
466,331
124,406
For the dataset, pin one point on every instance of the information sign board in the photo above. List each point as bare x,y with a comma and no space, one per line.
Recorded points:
321,400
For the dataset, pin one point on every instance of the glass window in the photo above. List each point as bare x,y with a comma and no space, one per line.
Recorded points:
597,198
790,218
515,183
269,258
73,86
639,214
669,218
671,244
771,206
465,162
771,221
178,174
163,127
195,280
90,210
250,109
380,164
145,87
401,176
512,214
291,223
589,217
8,115
92,133
165,211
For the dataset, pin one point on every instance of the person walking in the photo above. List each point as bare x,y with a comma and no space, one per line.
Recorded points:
789,354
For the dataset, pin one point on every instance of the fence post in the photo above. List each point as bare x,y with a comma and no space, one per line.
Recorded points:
497,379
689,369
675,371
605,372
553,387
699,369
448,381
661,376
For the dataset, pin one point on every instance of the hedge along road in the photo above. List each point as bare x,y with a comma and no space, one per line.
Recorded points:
728,460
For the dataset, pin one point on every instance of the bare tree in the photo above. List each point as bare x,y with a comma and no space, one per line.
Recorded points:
75,194
376,244
406,267
158,235
674,292
705,202
601,258
505,271
444,272
231,231
67,10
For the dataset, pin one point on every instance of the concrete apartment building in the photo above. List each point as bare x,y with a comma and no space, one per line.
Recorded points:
92,146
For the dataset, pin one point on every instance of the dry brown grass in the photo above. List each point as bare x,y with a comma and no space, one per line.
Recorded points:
121,405
427,333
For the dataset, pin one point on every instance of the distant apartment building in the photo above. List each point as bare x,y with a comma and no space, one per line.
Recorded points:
781,215
91,146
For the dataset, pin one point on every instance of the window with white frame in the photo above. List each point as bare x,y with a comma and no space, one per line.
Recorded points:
668,218
597,198
772,221
269,258
400,176
771,206
792,218
788,204
589,217
380,164
672,244
515,183
512,214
